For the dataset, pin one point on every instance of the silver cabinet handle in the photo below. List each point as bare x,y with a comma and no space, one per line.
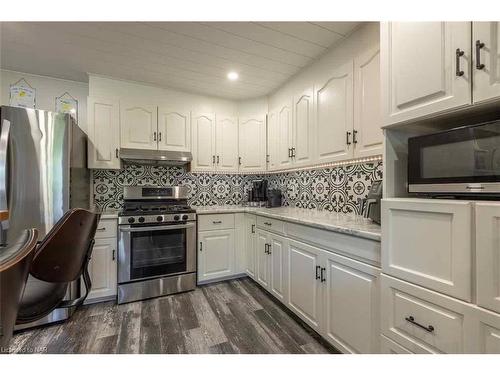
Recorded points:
458,53
479,46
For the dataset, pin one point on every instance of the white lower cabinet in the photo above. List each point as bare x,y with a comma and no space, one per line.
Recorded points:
429,242
250,245
305,292
215,254
352,295
103,263
485,332
387,346
487,217
271,259
422,320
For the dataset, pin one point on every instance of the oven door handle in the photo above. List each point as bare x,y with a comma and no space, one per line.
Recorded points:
128,228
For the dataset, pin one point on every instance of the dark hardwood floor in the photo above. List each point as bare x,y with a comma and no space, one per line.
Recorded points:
227,317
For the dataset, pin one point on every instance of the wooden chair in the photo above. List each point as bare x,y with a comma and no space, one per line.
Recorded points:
15,261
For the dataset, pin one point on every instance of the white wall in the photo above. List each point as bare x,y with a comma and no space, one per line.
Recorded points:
47,89
364,38
107,87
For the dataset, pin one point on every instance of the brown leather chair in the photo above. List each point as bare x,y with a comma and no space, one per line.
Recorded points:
62,257
15,261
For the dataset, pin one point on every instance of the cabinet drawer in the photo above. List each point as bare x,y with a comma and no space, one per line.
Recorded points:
428,242
485,332
387,346
216,221
106,228
422,320
271,225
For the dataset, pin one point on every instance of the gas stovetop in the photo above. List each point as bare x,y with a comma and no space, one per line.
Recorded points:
153,209
155,213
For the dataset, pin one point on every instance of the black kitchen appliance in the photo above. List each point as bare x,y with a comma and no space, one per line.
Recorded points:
463,161
372,204
274,198
257,196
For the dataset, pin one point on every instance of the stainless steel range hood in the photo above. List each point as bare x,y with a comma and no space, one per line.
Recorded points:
155,157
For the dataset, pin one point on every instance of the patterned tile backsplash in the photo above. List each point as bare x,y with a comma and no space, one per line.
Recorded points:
334,189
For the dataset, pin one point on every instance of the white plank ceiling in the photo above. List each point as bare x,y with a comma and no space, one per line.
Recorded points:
190,56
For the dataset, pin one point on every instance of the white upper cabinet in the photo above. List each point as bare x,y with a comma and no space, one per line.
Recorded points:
367,134
226,143
138,126
488,255
272,140
425,68
252,143
303,128
103,133
174,130
203,141
333,98
486,61
285,134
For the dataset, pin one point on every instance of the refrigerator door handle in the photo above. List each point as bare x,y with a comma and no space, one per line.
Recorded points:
4,143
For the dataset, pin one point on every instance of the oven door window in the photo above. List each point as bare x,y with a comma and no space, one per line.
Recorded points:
157,253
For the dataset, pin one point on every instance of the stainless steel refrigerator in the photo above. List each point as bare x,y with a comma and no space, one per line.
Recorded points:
43,173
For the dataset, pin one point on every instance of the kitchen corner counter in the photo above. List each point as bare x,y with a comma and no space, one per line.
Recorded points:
351,224
111,214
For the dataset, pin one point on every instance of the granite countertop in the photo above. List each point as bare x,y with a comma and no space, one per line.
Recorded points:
109,214
352,224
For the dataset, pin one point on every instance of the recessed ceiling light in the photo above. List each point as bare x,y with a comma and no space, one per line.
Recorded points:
233,76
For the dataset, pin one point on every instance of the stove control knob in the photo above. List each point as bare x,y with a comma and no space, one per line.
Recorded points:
131,220
176,217
159,218
184,217
141,220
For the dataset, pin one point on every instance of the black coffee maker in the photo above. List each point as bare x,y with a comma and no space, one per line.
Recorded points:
257,196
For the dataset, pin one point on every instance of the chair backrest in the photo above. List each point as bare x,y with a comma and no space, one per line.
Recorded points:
15,261
61,255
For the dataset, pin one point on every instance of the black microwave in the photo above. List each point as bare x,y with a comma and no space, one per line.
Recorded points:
461,161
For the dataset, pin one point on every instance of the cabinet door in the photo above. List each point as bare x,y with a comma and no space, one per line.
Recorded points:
174,130
252,143
203,141
250,245
285,132
334,115
304,285
102,269
262,258
103,133
484,334
419,68
215,254
138,126
273,141
488,255
367,133
351,295
428,242
277,258
486,69
303,128
226,144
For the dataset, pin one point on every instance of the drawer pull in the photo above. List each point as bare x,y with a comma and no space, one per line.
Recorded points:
101,229
253,228
411,319
317,269
217,222
479,45
323,278
201,246
458,53
266,223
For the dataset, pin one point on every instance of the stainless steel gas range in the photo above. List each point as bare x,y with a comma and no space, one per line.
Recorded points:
157,243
